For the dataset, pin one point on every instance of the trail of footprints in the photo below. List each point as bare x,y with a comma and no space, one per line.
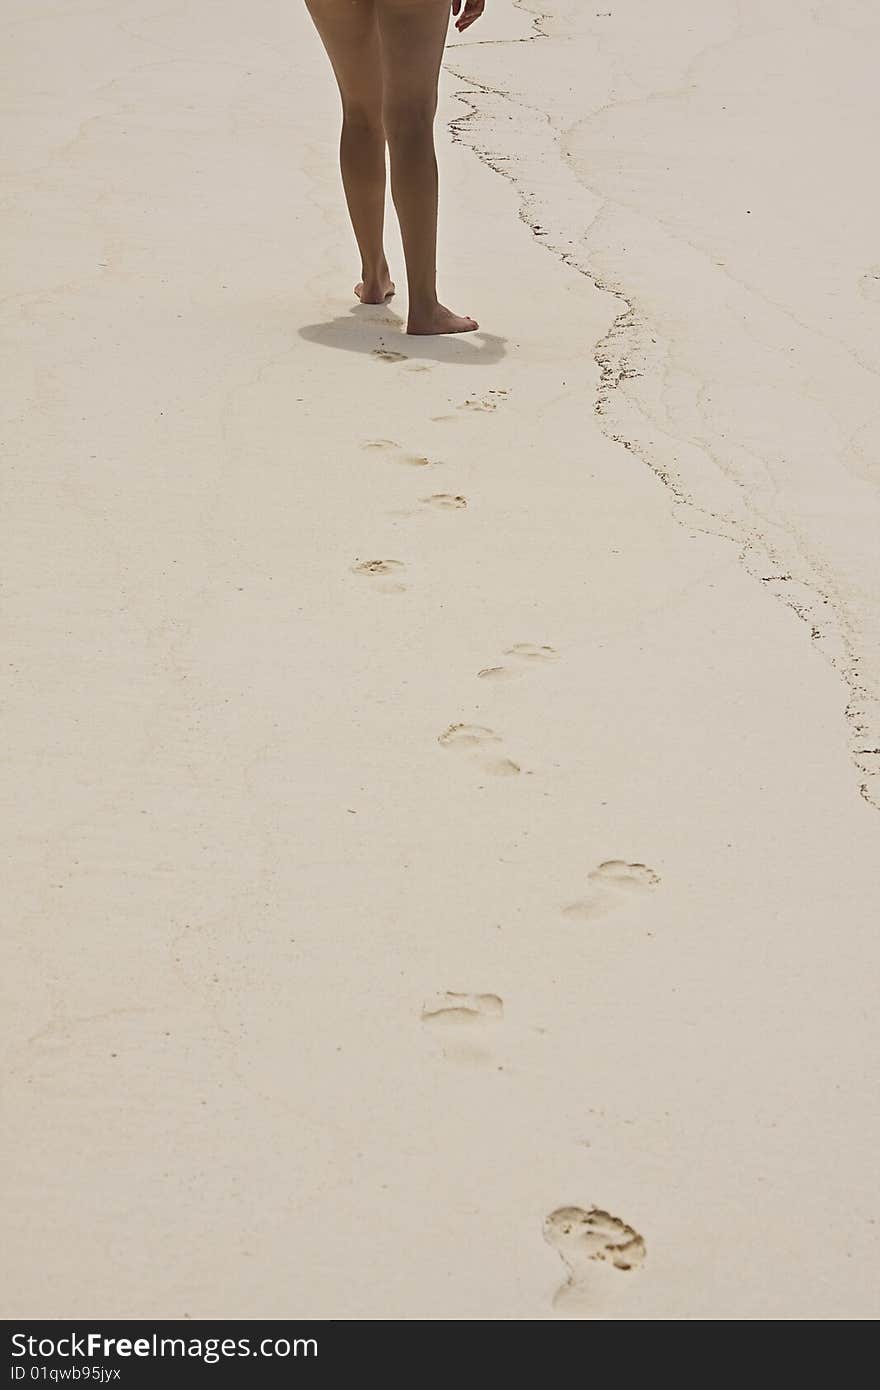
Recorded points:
437,501
481,743
584,1237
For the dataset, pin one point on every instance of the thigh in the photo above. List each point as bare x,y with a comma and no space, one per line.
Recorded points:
413,36
350,34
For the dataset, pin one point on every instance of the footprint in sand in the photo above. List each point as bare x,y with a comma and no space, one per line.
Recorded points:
584,1239
489,402
380,444
383,571
532,651
386,355
869,284
611,883
467,1016
445,502
524,654
475,738
451,1008
384,446
417,461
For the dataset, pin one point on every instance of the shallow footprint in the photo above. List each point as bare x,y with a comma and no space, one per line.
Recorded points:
467,736
417,461
498,673
869,284
477,737
613,880
382,570
467,1015
379,444
502,767
630,876
386,355
532,651
490,401
451,1007
377,566
524,654
584,1238
445,501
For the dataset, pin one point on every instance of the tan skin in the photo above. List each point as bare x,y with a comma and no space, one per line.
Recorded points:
386,56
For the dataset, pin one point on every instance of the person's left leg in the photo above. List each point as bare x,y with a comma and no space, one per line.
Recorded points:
350,34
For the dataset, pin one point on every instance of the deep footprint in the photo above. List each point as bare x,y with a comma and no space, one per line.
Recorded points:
583,1238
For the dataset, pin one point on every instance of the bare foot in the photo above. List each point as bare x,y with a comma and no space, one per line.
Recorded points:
439,320
375,290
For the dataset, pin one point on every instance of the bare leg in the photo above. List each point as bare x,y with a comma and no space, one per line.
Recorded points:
413,35
350,34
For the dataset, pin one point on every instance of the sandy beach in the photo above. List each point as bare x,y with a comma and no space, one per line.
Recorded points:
443,785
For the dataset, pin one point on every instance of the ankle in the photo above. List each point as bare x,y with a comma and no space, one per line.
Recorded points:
423,305
375,274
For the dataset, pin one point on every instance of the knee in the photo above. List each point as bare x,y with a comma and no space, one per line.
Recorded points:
409,122
362,120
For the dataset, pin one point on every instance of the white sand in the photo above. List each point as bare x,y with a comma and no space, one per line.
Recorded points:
247,862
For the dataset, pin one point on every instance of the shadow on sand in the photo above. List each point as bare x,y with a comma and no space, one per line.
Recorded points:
373,328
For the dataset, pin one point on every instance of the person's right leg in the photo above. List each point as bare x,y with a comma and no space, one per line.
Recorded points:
350,35
413,35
